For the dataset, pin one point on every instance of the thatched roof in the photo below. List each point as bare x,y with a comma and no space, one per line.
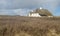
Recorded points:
43,11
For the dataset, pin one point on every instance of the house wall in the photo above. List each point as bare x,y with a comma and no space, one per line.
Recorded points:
34,15
50,16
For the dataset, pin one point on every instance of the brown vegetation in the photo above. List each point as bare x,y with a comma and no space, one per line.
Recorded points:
29,26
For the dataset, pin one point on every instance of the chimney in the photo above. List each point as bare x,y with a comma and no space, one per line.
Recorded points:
31,10
40,7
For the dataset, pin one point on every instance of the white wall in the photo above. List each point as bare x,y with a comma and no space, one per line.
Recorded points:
34,15
50,16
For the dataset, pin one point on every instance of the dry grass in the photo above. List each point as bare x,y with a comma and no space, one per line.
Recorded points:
29,26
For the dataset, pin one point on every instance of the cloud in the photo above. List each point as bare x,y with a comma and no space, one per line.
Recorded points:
7,12
22,12
20,6
16,4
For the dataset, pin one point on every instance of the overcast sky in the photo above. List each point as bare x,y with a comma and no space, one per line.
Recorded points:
21,7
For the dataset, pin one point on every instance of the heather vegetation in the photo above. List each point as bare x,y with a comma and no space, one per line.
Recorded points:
29,26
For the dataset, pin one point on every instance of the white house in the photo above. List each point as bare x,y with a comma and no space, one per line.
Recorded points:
36,14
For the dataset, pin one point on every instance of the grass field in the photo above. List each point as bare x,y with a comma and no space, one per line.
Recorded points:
29,26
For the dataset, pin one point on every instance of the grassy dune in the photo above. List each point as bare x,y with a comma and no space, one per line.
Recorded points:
29,26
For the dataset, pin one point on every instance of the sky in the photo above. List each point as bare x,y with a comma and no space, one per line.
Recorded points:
22,7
